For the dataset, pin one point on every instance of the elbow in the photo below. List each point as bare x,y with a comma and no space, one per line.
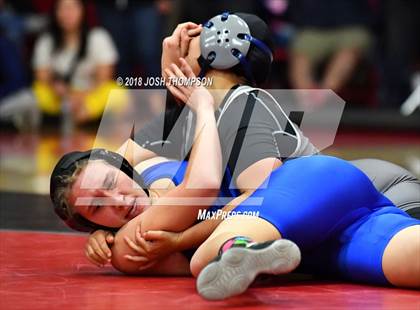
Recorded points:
208,188
212,184
120,249
210,193
118,261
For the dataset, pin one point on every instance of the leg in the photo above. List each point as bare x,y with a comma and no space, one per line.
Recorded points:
174,265
305,202
349,45
340,69
396,183
308,49
301,75
254,228
382,248
240,260
401,259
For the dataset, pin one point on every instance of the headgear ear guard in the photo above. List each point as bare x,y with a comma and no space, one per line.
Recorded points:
66,167
225,41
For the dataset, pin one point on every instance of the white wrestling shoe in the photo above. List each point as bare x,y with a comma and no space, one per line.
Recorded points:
233,271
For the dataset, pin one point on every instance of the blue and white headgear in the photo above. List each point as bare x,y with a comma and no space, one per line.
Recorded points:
227,39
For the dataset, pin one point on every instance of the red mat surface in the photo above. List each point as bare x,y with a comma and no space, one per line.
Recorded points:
48,271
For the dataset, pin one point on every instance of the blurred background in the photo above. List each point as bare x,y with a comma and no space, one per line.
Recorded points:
59,61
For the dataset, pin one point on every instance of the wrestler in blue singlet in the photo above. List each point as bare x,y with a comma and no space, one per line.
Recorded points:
329,208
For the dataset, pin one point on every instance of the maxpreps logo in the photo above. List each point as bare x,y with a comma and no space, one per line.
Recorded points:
223,215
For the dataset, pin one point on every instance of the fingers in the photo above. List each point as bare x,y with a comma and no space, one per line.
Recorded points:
195,31
143,243
105,248
138,233
187,25
175,38
140,240
153,235
174,41
93,257
175,69
175,90
136,259
178,94
184,42
186,68
110,239
97,264
134,246
99,250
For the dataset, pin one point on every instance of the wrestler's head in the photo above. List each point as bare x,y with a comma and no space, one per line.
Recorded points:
68,16
239,43
96,190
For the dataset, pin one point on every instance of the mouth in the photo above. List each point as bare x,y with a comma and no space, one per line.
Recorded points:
133,211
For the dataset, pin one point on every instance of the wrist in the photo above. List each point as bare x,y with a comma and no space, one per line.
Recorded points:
205,107
179,246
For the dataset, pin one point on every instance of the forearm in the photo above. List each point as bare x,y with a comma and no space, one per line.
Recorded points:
194,236
197,234
205,164
175,264
202,180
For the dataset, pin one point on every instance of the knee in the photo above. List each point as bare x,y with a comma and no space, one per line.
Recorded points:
201,258
401,260
196,265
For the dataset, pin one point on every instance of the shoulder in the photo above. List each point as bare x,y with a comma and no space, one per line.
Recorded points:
44,41
98,33
150,162
241,97
43,50
101,46
251,102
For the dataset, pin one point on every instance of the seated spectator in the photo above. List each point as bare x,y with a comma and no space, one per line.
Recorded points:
331,32
73,65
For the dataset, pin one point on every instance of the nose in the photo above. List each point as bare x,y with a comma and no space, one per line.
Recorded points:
116,199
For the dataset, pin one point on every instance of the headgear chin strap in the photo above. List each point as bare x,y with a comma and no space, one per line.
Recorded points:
225,41
66,167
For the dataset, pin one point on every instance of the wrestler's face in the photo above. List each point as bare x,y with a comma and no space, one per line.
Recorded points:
106,196
194,52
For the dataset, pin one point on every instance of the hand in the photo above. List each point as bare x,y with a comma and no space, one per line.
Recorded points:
196,97
152,246
176,45
97,248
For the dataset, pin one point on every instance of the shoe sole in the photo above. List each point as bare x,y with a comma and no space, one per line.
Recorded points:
237,268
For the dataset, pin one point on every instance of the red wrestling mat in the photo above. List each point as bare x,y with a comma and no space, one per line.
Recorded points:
49,271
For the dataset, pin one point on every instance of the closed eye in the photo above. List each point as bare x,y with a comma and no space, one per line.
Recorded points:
110,181
112,184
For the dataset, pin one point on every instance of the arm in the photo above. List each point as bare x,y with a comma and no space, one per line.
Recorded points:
163,243
205,160
152,246
173,47
197,234
134,153
174,264
249,180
